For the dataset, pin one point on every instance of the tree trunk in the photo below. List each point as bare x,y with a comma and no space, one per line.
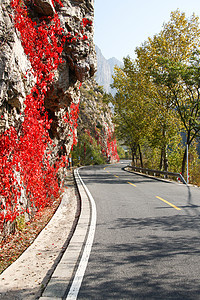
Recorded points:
133,156
185,154
184,162
165,159
136,158
133,152
141,160
161,159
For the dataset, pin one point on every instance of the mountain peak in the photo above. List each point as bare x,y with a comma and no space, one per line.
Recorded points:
105,70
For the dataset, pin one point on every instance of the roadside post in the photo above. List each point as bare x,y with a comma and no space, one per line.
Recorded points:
70,161
187,164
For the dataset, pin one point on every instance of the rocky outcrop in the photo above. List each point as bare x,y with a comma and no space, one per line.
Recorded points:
17,74
105,70
79,64
96,136
14,65
16,79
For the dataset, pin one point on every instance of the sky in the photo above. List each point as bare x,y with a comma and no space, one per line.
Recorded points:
123,25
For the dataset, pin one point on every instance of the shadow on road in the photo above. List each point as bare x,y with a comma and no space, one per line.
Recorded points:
157,265
104,177
146,257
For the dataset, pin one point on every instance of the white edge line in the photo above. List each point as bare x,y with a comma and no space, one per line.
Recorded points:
76,284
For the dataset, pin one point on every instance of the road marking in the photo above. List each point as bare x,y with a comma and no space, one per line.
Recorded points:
76,284
131,184
116,176
174,206
106,170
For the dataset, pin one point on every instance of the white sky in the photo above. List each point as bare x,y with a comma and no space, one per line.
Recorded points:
122,25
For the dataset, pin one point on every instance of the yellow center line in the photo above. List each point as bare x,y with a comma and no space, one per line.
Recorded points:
116,176
131,184
174,206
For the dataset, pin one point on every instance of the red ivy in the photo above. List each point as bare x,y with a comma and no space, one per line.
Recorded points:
24,159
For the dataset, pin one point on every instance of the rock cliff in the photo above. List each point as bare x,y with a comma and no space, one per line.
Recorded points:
46,52
16,78
105,70
96,136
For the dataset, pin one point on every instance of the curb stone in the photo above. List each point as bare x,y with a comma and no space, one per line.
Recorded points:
30,273
60,281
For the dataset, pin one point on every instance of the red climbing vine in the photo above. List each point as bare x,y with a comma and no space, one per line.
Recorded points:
25,161
111,151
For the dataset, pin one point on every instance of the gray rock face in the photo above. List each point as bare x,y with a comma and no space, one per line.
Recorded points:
103,75
79,61
105,70
14,84
80,55
79,64
16,74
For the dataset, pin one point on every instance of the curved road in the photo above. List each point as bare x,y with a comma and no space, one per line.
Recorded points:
147,239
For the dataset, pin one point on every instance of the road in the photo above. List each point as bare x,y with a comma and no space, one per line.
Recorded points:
147,239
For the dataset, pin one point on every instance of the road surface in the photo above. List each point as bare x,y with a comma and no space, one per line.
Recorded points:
147,238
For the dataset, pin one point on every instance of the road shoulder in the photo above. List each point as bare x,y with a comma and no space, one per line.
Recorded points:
28,275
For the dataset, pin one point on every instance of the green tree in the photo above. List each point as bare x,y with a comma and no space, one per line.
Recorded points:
130,108
171,60
142,113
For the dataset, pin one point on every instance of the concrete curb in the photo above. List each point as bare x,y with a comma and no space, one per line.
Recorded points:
59,284
25,278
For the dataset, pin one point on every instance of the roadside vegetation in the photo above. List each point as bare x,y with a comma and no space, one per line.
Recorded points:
96,141
157,105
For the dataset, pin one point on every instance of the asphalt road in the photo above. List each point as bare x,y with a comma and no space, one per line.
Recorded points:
144,247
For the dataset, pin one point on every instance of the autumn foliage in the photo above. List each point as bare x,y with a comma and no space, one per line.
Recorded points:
25,166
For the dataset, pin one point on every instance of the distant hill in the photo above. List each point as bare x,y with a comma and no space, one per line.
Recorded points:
105,70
